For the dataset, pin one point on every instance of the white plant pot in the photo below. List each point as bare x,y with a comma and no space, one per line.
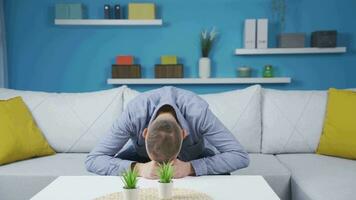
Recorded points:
165,190
204,67
131,194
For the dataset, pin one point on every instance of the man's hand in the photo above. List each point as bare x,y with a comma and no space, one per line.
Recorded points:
182,169
147,170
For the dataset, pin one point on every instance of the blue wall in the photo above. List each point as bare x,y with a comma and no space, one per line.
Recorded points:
46,57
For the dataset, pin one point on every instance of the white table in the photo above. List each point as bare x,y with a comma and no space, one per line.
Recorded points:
218,187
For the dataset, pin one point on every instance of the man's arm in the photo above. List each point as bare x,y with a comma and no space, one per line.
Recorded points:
101,159
232,155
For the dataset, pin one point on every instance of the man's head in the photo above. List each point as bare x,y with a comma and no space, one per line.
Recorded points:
164,136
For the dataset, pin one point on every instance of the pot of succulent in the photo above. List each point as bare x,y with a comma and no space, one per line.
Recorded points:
165,174
129,178
206,41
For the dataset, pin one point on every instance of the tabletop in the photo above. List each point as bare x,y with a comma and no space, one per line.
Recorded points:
218,187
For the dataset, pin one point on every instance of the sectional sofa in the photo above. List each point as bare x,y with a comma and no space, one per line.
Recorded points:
280,130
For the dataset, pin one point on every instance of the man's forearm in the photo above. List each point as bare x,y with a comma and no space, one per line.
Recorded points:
221,163
107,165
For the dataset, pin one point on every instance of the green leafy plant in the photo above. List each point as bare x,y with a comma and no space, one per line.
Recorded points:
165,172
129,178
206,41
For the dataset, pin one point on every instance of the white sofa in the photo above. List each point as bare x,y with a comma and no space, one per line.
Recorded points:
280,130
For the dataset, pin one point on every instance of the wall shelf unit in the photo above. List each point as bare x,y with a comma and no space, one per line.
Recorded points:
108,22
181,81
272,51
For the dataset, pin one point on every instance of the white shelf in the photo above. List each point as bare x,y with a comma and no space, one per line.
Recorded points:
269,51
180,81
108,22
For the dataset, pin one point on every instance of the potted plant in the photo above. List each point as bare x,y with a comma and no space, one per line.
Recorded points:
206,41
165,174
129,178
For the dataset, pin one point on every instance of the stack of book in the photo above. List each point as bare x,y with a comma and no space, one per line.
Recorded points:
169,68
125,68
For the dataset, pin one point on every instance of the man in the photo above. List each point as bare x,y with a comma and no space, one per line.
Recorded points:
168,125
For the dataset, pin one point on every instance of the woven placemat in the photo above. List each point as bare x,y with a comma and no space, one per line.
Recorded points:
152,194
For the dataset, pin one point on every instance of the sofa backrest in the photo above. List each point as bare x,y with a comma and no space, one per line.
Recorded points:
72,122
292,121
263,120
238,110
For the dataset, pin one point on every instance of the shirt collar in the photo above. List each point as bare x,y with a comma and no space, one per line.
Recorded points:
181,119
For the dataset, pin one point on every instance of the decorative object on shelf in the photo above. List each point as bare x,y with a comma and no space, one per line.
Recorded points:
117,11
268,71
324,39
250,34
70,11
244,72
169,71
165,174
169,68
124,60
107,12
126,71
291,40
262,34
129,178
204,67
169,60
206,41
142,11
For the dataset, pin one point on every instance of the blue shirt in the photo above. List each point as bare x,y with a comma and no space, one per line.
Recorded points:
204,131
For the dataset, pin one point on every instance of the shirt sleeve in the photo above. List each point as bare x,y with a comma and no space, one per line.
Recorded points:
232,155
101,159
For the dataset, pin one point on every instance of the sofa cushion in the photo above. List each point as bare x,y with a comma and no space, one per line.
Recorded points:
20,138
292,121
318,177
276,174
72,122
35,174
128,95
339,133
60,164
238,110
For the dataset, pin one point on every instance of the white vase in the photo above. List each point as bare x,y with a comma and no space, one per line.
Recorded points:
165,190
204,67
131,194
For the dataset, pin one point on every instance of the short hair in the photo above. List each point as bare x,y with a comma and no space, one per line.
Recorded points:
164,140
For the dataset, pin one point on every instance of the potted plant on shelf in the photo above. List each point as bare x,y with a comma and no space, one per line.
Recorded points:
165,174
129,178
206,41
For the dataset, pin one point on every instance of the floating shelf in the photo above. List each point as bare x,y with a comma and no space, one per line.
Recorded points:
180,81
108,22
270,51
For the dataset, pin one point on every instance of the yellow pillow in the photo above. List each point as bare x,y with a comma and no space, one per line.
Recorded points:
339,132
20,138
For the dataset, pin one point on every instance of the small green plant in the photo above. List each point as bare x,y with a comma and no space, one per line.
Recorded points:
129,178
206,41
165,172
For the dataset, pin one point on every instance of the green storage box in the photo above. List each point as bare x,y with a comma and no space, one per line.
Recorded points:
70,11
